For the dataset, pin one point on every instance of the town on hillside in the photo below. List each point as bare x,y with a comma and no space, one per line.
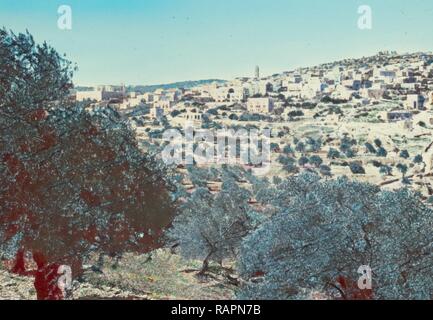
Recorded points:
369,118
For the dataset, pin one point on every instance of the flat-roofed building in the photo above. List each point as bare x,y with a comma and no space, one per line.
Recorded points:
260,105
415,102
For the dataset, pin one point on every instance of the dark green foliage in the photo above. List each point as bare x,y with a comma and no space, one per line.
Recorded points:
356,168
402,168
404,154
303,161
385,170
381,152
418,159
370,148
210,227
378,143
288,150
324,231
300,147
315,161
333,154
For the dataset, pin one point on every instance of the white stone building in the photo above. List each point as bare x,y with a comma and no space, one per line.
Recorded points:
162,107
260,105
415,102
99,95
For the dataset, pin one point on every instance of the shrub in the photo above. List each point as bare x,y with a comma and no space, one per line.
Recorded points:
303,161
300,147
378,143
356,168
325,170
288,150
418,159
233,117
385,170
314,145
315,161
404,154
381,152
333,154
275,147
296,113
402,168
346,146
377,164
175,113
370,148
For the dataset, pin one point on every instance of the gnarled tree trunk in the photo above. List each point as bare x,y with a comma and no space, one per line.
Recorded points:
46,279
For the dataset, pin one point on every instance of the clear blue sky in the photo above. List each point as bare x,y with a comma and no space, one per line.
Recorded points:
160,41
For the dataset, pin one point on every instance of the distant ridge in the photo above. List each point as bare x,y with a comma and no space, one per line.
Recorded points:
153,87
175,85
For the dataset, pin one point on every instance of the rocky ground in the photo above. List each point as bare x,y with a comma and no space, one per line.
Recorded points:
164,276
21,288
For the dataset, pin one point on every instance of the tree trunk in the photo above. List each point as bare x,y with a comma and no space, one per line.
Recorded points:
19,267
46,283
46,279
205,265
350,291
99,264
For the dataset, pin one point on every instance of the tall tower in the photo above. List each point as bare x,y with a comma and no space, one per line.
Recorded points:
257,72
123,90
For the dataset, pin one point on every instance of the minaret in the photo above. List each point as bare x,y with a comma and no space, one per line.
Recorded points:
257,72
123,90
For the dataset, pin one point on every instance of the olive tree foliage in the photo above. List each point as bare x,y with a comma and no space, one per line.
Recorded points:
73,181
30,74
325,230
210,226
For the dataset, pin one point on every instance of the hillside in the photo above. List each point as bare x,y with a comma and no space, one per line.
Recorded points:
175,85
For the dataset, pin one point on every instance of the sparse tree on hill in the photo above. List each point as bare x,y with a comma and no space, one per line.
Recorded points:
402,168
385,170
303,161
300,147
314,145
325,171
370,148
346,146
418,159
378,143
288,150
333,154
356,168
404,154
289,165
315,161
381,152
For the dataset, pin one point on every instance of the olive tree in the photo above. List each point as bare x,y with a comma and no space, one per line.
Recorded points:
210,227
73,181
325,231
